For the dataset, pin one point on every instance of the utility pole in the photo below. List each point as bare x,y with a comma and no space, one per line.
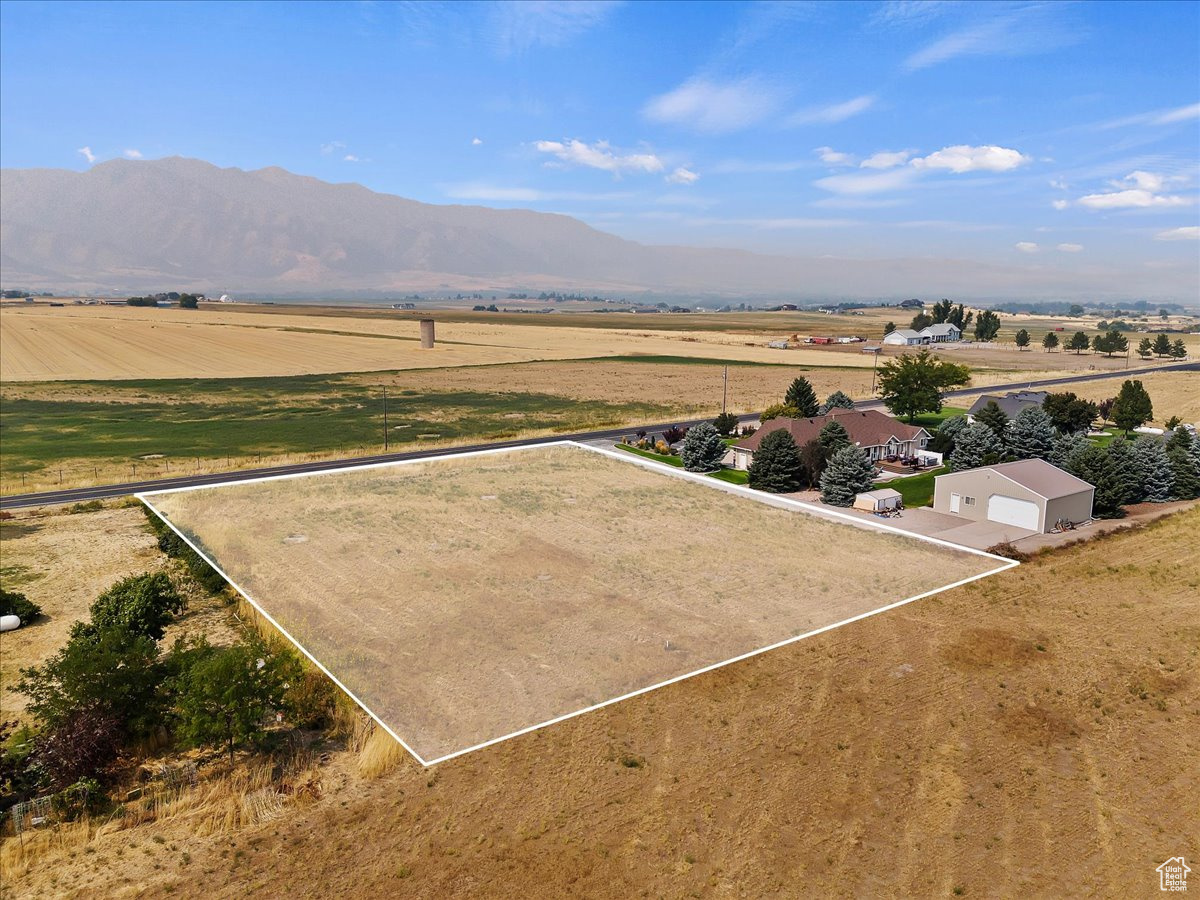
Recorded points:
725,390
875,356
385,422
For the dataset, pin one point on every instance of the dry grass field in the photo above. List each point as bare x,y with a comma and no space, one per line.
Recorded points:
465,599
1172,393
1032,734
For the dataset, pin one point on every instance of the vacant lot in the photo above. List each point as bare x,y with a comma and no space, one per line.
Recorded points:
1172,393
465,599
1028,735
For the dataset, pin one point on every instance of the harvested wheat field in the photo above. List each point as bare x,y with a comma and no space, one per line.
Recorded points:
44,344
1172,393
1032,734
465,599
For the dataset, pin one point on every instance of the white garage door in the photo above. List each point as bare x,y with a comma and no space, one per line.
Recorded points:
1011,511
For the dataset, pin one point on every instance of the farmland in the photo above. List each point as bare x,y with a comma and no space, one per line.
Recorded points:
515,610
1027,734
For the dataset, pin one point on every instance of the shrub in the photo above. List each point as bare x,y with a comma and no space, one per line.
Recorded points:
662,448
726,423
1008,551
777,411
674,434
81,746
171,544
14,604
141,604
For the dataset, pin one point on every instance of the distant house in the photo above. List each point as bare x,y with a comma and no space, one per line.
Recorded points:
879,435
903,337
912,304
942,333
1010,404
1029,494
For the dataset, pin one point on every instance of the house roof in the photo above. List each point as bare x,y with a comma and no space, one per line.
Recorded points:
903,332
1011,403
1037,475
866,427
942,328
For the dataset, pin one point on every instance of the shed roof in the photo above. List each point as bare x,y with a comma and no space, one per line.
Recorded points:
1037,475
881,494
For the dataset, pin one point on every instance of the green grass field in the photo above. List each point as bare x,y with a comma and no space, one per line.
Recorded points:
732,476
916,490
235,418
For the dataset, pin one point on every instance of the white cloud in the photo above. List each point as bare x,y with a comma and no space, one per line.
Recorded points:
1070,248
1157,117
885,160
1186,233
133,154
834,157
683,176
714,107
350,157
1026,246
1059,184
837,112
86,153
517,26
475,142
999,30
963,158
856,185
1060,204
600,156
1143,194
332,147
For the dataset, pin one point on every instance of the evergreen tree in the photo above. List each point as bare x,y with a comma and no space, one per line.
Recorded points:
920,322
1132,407
976,445
1094,466
836,400
889,328
847,474
993,417
1022,339
1145,348
802,397
987,326
776,466
833,437
702,449
1125,470
943,439
1179,437
1078,342
1185,474
1162,345
1050,341
1066,446
726,423
1031,434
1155,477
1179,349
1109,343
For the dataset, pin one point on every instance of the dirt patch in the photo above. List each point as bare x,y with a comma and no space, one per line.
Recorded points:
981,648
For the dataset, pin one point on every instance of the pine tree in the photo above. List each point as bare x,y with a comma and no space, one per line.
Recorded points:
726,423
1145,348
1094,466
1125,470
1022,339
1179,349
993,417
833,437
836,400
1050,341
1155,477
1066,446
776,466
1185,473
987,326
889,328
1162,345
802,397
1133,407
976,445
702,449
847,475
1078,342
1031,435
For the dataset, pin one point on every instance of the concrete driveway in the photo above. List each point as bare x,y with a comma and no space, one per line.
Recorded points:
954,529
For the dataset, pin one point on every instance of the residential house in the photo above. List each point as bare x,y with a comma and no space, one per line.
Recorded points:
879,435
942,333
1029,494
903,337
1010,404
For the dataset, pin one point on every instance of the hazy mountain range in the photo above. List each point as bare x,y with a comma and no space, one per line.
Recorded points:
184,224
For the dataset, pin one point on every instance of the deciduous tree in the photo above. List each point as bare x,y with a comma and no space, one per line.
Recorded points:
1132,407
911,385
1069,413
987,326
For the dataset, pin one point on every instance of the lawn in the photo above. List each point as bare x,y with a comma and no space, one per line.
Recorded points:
917,490
932,420
732,476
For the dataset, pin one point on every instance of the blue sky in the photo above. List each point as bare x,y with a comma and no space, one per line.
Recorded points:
1058,137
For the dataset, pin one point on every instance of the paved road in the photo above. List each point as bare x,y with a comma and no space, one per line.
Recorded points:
102,492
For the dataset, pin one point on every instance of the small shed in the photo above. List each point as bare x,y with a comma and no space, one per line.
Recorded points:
877,501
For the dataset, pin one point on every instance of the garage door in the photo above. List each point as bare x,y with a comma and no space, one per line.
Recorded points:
1011,511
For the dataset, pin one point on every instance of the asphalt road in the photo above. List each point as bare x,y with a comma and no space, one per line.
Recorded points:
103,492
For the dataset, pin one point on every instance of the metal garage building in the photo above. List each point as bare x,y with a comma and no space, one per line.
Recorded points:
1029,494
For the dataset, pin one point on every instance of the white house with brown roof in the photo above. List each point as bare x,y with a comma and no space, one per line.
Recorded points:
879,435
1030,494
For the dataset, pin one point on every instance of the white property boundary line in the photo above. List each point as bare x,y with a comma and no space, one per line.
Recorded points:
784,502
